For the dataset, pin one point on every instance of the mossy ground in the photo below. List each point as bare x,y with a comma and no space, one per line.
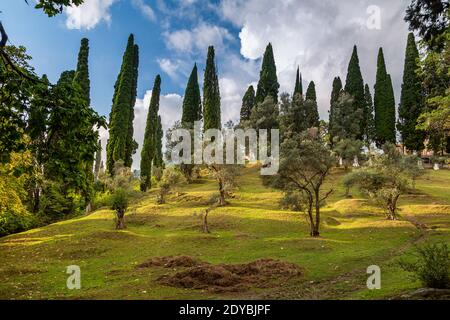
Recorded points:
354,235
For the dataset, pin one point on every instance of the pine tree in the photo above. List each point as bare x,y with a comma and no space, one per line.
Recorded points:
268,81
336,91
82,72
369,131
192,101
121,145
248,102
384,104
411,105
149,148
311,92
211,94
354,85
298,89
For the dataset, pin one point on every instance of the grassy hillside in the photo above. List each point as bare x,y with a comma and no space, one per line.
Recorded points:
354,235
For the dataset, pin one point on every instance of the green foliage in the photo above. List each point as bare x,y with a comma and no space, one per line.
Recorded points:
347,150
385,180
335,94
293,200
151,137
265,115
298,89
432,266
268,82
56,202
192,101
54,7
369,129
121,145
158,162
354,85
305,162
431,18
344,124
82,73
311,92
248,102
119,201
411,102
171,179
384,104
211,94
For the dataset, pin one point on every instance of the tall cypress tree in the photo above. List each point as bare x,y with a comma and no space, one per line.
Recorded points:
298,89
248,102
82,72
335,92
131,144
384,104
268,81
411,105
310,106
369,130
192,101
311,92
149,148
121,145
354,85
211,94
158,162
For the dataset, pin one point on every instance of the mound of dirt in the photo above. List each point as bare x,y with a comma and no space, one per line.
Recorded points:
171,262
209,277
232,277
330,221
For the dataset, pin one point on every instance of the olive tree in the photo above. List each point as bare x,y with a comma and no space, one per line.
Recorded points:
305,162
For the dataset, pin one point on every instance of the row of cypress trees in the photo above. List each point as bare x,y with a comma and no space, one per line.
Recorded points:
359,116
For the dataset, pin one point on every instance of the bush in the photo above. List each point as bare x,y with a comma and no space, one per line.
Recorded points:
292,201
120,204
432,267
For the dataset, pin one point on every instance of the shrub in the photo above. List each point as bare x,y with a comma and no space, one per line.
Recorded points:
120,204
432,267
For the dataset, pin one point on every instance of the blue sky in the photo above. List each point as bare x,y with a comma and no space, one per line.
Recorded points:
318,36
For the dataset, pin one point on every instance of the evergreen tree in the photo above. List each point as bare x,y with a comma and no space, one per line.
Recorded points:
149,149
211,94
82,73
344,125
268,81
311,92
121,145
354,85
384,104
131,144
158,162
336,91
298,89
192,103
369,132
248,102
411,105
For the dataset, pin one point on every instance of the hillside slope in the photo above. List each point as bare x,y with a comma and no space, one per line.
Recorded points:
354,235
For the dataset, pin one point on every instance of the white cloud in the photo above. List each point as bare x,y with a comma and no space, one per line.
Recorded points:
145,9
89,14
319,36
199,38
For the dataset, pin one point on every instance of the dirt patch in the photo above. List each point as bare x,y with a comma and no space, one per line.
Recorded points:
232,277
330,221
171,262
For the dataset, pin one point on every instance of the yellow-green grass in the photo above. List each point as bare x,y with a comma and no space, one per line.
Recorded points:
354,235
